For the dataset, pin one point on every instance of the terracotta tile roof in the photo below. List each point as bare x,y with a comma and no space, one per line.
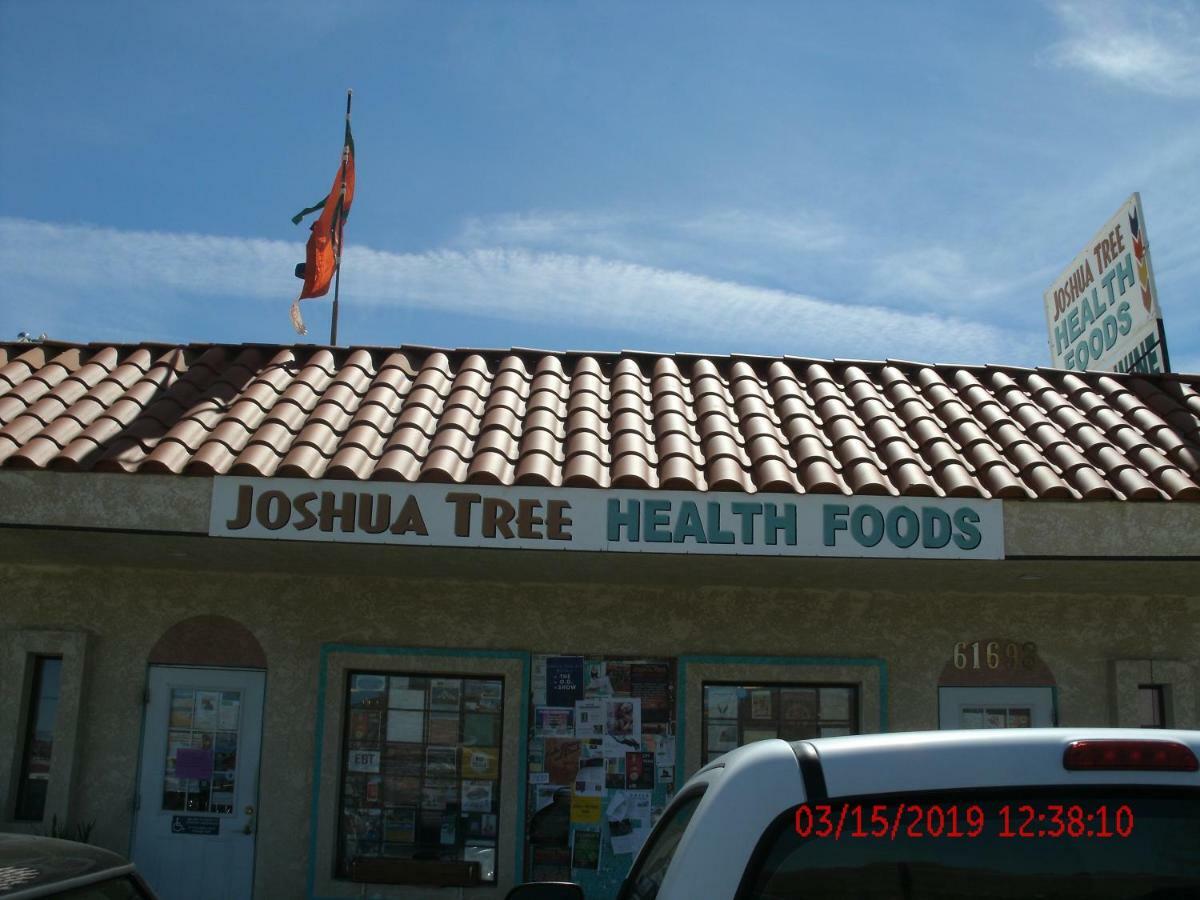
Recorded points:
600,420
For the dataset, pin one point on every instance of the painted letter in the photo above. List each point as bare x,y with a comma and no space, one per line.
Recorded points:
245,502
689,524
965,520
556,522
462,512
834,521
657,516
630,520
717,534
410,518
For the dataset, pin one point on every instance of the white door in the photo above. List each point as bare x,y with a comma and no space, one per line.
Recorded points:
198,790
996,707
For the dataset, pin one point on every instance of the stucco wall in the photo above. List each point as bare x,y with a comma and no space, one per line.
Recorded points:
125,611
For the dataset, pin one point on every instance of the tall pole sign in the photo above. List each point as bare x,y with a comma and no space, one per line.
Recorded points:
1102,310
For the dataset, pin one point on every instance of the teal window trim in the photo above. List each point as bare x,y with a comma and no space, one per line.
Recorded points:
685,661
328,650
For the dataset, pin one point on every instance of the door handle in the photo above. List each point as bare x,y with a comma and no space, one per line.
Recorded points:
249,829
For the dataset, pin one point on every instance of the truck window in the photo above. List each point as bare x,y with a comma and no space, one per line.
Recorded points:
1092,843
650,869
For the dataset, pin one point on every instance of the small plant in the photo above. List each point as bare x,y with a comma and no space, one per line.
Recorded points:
77,831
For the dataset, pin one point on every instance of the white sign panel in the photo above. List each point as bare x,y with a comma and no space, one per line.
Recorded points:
1102,311
626,521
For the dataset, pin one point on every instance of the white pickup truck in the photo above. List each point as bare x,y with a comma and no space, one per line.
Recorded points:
1021,813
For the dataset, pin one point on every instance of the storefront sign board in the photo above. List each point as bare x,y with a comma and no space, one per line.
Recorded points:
1102,310
625,521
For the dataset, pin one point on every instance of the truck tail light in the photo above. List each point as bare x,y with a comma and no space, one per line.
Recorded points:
1146,756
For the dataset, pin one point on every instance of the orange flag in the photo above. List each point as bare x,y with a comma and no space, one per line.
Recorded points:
323,254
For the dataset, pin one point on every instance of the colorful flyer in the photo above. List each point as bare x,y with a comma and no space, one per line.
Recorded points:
481,762
558,721
445,693
562,759
623,726
206,715
585,849
181,708
589,718
362,761
477,796
585,810
564,680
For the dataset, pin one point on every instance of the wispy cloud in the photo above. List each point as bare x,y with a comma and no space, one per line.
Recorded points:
646,306
1147,46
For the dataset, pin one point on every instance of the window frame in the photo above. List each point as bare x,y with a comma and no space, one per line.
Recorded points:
869,675
19,650
337,662
346,739
33,710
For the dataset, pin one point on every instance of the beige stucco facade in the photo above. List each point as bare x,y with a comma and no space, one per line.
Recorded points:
1103,590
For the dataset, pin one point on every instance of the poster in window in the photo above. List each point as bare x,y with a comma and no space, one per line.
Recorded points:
614,772
441,761
438,793
404,759
182,702
482,696
562,759
208,704
628,814
585,809
722,738
225,752
585,849
589,780
650,683
760,703
481,729
477,796
401,790
798,731
835,703
639,771
595,680
405,726
798,703
405,697
720,702
589,718
564,680
443,728
400,825
664,751
368,691
445,693
557,721
618,677
364,726
481,762
623,726
231,705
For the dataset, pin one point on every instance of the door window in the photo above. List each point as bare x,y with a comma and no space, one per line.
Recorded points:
200,772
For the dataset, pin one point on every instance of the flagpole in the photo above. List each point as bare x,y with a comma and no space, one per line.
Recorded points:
337,270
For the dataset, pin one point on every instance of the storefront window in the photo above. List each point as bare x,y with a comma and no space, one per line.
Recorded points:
420,770
39,738
1151,706
737,714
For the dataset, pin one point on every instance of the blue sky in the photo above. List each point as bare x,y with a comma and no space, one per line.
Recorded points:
853,180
